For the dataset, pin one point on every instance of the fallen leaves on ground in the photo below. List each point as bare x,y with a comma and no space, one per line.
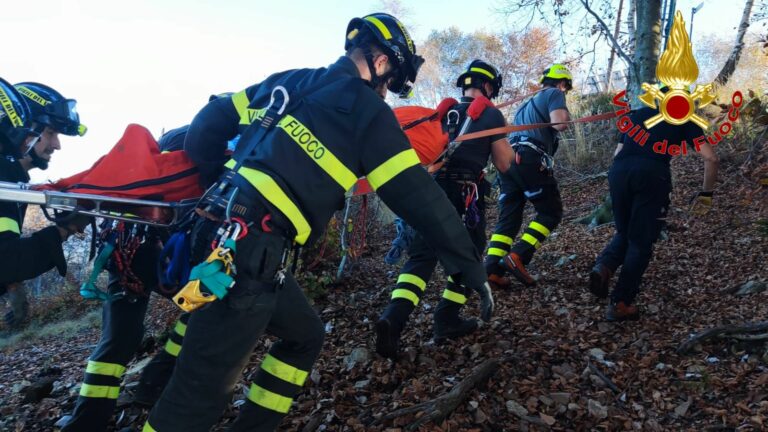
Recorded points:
549,337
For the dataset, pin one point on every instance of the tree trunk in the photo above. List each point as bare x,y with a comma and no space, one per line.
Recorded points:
609,70
631,39
647,44
733,59
668,20
631,17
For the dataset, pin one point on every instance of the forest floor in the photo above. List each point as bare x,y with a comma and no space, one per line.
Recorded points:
555,362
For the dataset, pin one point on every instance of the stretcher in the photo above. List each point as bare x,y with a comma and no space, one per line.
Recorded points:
144,212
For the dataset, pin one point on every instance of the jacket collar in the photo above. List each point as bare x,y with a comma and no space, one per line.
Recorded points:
345,65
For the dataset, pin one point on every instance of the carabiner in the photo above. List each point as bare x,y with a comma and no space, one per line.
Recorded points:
286,98
452,122
242,228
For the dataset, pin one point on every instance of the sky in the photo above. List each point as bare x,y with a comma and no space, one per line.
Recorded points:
155,62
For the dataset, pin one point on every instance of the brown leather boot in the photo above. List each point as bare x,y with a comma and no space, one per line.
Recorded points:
499,282
514,264
622,312
600,280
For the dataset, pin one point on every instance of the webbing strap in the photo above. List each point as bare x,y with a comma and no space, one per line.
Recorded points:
275,115
518,128
519,99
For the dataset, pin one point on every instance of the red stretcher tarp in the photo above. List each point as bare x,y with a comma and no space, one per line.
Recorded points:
135,168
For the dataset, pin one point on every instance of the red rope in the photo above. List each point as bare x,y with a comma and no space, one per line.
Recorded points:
518,128
357,242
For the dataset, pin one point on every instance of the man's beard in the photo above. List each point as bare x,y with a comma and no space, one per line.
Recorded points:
381,90
37,161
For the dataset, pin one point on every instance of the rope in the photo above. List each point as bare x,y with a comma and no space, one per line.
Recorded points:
517,128
519,99
402,241
471,212
357,241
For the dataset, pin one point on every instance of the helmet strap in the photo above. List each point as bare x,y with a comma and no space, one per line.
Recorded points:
376,80
36,160
482,89
479,85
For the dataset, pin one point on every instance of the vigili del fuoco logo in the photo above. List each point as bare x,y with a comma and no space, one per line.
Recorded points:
677,70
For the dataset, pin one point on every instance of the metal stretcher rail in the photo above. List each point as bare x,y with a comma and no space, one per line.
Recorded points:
145,212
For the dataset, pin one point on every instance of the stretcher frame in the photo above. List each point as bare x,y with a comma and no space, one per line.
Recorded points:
144,212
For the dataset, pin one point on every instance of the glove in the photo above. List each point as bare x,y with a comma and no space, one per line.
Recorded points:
701,203
486,301
73,223
474,277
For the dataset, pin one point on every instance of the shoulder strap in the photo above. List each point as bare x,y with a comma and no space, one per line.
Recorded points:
453,145
454,118
280,104
544,119
417,122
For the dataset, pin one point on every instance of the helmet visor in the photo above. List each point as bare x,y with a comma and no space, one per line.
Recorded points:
405,77
64,117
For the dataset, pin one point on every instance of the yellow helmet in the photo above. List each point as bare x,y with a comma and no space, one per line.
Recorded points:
556,71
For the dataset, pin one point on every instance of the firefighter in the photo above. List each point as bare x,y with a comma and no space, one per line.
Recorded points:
530,178
47,114
122,331
640,183
461,178
319,130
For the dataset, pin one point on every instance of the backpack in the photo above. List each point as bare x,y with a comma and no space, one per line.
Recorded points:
424,129
135,168
427,131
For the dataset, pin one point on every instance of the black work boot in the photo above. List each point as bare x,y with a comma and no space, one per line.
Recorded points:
389,327
146,396
387,339
448,323
599,280
154,378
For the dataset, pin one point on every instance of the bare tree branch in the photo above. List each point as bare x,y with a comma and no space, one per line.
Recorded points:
614,43
730,65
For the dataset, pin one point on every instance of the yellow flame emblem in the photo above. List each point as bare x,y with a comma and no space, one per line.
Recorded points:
677,69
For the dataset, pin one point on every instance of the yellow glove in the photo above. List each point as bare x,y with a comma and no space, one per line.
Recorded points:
701,204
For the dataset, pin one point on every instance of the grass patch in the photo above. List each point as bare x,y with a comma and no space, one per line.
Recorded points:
62,329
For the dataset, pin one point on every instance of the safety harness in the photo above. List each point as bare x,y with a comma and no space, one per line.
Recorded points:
468,181
117,244
212,278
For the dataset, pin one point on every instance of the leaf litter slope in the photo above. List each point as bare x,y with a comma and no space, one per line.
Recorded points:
562,367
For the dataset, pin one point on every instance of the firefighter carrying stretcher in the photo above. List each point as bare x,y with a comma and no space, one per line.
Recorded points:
530,178
32,116
318,131
461,178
